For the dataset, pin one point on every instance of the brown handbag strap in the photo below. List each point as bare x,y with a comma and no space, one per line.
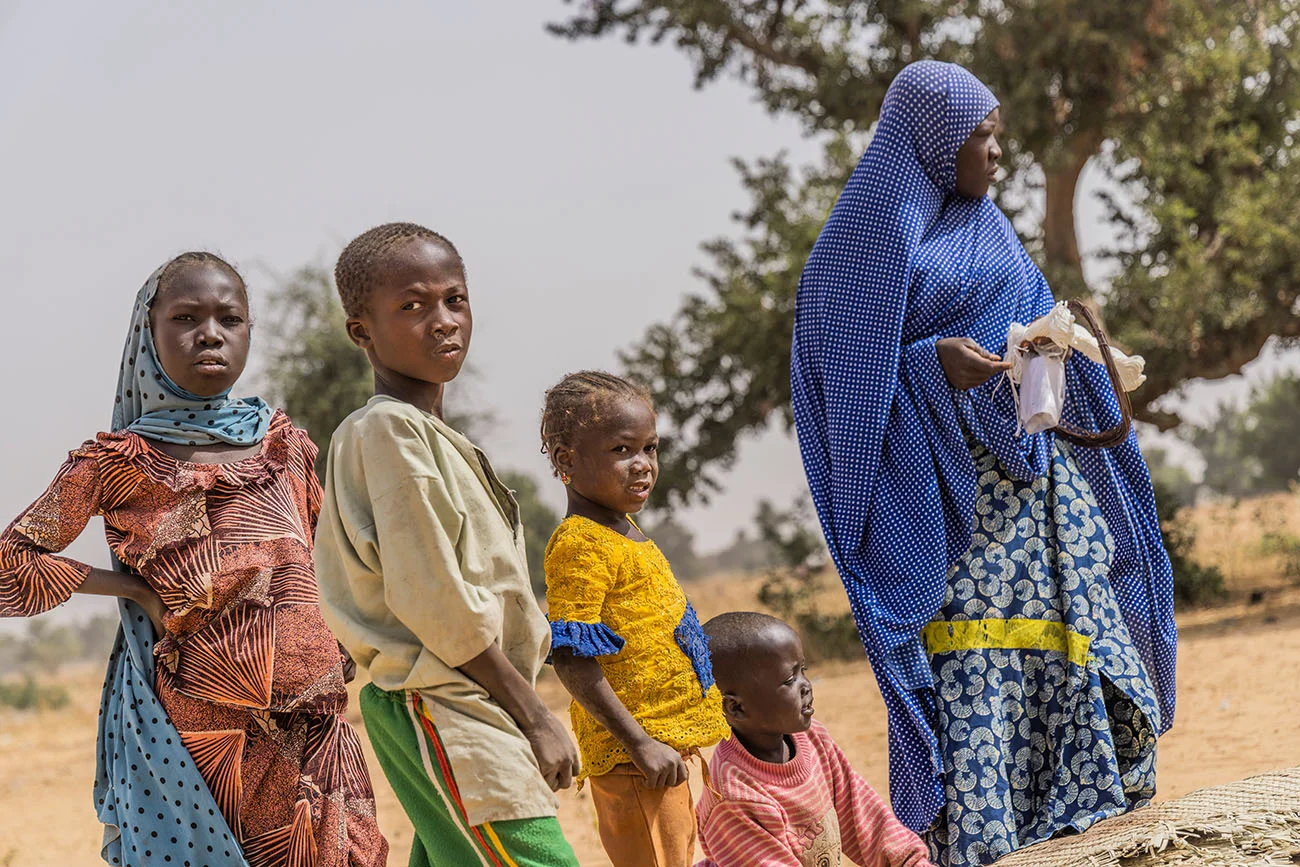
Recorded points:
1116,435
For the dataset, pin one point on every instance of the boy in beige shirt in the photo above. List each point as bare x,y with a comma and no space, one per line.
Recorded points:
420,560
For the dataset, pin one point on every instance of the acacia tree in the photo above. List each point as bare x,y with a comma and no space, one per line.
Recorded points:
1253,449
1191,108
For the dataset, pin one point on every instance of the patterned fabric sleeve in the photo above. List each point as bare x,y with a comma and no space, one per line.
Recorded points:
869,831
579,574
32,579
586,639
744,833
315,493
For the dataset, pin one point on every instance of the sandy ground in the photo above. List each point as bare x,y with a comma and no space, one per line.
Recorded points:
1239,681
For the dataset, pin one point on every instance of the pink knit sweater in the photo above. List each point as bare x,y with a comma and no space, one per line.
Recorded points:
803,813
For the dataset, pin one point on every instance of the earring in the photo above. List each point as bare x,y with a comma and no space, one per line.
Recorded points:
566,479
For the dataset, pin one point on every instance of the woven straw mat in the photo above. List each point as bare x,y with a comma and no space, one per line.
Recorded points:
1253,822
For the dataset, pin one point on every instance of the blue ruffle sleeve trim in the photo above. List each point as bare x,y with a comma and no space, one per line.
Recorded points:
585,639
695,644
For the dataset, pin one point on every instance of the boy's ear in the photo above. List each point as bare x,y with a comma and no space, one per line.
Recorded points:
732,707
359,334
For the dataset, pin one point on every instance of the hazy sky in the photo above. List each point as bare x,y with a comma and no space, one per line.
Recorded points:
577,179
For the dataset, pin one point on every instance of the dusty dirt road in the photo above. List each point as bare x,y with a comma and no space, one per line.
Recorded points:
1239,682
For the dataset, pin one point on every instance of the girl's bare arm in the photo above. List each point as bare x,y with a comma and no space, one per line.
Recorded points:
585,681
124,585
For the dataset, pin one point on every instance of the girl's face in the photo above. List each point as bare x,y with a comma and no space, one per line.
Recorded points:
977,160
615,464
201,329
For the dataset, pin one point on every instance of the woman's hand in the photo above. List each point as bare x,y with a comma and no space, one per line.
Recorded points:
662,765
966,364
127,585
557,757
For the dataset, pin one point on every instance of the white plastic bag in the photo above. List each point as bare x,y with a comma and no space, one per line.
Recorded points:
1038,352
1059,327
1042,392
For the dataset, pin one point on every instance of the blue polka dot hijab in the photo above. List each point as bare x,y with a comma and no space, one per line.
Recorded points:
149,794
902,262
151,405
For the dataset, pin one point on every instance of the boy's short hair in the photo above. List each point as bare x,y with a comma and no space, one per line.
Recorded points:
736,634
362,259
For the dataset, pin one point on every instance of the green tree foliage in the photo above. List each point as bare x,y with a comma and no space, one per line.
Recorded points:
31,694
319,376
46,645
1285,546
539,521
1191,108
1255,448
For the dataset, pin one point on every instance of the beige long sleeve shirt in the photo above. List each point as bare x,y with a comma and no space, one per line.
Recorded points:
421,565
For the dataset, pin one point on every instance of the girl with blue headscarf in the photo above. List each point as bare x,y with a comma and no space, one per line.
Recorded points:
1012,592
221,737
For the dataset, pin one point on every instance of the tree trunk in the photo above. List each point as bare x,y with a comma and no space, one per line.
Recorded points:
1064,265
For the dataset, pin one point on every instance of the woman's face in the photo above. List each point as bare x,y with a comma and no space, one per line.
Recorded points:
977,161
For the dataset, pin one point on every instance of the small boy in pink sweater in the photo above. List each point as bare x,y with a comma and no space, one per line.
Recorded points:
782,793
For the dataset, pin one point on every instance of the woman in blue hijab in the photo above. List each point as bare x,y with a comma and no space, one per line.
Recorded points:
1012,592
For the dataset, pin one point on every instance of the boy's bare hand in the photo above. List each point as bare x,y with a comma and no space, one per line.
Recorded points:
966,364
662,765
557,757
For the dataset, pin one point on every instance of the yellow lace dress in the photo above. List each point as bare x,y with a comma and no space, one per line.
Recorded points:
616,600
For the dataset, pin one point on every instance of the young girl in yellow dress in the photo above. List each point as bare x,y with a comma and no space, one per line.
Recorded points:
626,642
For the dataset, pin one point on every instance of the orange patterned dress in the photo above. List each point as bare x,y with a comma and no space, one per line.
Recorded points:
247,670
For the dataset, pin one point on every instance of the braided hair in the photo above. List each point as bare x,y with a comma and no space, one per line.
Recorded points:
362,260
191,258
579,401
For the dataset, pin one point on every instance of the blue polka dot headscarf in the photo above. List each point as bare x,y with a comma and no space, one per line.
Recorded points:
151,405
155,806
902,262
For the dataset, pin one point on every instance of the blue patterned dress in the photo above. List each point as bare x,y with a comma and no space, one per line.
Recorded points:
1047,718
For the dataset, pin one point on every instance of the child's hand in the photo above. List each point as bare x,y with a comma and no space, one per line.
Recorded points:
662,765
349,664
152,603
557,757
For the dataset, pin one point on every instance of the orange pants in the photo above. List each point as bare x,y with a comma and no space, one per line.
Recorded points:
640,826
